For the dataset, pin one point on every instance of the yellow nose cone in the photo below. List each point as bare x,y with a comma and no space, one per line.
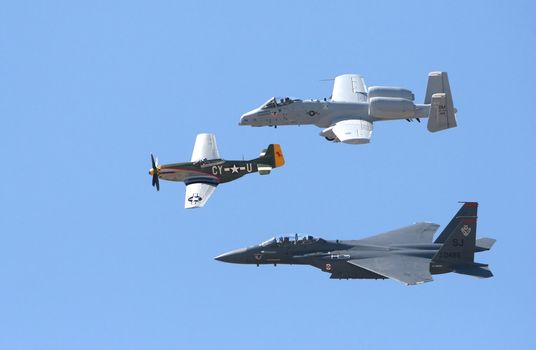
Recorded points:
151,172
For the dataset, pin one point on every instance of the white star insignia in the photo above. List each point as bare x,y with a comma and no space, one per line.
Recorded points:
234,168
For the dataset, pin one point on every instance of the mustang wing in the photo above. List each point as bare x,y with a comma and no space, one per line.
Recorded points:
421,232
409,270
349,88
197,194
205,148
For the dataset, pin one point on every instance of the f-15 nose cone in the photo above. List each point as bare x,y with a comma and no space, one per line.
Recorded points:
235,256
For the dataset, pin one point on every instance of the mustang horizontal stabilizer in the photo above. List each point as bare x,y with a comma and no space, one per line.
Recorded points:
205,148
406,269
197,195
421,232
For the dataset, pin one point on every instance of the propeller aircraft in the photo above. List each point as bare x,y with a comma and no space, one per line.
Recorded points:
206,170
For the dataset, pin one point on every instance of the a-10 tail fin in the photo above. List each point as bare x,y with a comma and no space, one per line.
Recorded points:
442,113
270,158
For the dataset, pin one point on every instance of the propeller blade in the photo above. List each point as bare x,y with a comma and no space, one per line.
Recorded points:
156,181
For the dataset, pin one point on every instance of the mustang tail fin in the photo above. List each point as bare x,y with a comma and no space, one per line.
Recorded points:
442,113
270,158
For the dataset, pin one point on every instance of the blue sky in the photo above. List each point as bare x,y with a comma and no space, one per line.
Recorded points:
92,257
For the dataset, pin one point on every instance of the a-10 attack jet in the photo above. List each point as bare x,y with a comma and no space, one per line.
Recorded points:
349,114
407,255
207,170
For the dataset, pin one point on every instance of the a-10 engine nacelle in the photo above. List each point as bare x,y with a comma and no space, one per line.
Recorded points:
390,91
391,108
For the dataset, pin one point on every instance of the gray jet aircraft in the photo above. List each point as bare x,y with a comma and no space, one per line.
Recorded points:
349,114
407,255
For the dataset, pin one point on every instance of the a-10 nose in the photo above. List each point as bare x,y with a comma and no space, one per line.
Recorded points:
245,119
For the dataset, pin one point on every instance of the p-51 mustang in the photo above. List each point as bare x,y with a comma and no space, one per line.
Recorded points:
207,170
349,114
407,255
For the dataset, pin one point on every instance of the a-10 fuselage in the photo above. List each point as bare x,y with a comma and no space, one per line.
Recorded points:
324,113
214,171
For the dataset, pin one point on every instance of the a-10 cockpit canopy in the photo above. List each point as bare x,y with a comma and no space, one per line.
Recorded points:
278,101
288,240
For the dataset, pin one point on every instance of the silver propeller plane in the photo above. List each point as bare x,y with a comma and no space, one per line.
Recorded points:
349,115
408,255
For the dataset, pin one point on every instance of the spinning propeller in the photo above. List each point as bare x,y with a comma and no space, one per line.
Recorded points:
154,173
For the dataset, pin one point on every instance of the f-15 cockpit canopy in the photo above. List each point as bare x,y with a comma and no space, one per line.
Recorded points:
288,240
278,101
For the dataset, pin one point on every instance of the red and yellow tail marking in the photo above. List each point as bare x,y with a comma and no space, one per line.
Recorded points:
278,156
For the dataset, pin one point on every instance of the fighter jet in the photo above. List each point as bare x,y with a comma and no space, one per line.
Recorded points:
349,114
206,170
407,255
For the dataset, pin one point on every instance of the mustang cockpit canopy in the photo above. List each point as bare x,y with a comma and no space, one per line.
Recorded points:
206,161
288,240
278,101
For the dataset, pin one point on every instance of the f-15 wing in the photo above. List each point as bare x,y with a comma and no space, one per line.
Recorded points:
409,270
422,232
205,148
197,195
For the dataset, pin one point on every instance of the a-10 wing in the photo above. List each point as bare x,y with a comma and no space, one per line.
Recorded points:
349,88
353,131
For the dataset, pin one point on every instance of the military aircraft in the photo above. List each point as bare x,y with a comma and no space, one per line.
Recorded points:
206,170
349,114
407,255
